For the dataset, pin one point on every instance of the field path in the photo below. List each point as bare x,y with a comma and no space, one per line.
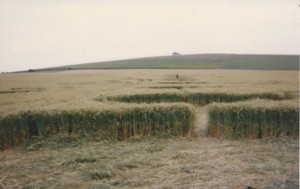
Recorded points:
201,121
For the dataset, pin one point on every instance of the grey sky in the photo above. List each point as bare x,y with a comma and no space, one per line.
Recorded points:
45,33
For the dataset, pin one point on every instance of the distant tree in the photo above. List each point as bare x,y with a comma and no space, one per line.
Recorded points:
175,53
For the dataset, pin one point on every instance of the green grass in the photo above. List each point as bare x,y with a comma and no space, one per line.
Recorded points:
197,61
263,62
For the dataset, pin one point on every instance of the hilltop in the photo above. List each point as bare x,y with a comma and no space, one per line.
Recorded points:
195,61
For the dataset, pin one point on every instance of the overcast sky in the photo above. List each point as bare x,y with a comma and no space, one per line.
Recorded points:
45,33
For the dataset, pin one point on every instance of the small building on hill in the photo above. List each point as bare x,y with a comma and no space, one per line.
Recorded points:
176,53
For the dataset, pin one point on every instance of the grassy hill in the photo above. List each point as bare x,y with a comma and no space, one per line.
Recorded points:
197,61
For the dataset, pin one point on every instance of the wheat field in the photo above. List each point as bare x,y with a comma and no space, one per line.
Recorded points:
168,132
79,89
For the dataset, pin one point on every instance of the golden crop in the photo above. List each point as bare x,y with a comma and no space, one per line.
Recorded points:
83,102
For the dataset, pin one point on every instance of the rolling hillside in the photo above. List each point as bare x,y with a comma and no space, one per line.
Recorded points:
196,61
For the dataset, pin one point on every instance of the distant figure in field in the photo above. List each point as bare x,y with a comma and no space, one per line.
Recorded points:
177,76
